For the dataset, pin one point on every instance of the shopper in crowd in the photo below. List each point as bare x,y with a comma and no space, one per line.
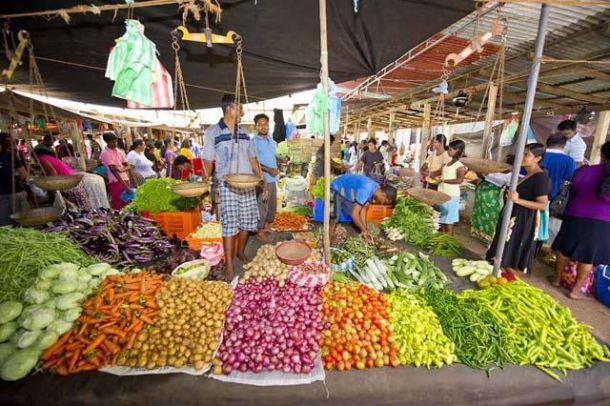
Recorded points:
530,197
488,202
560,168
121,145
158,151
352,156
118,170
584,236
230,148
94,149
64,149
52,166
158,164
575,146
140,164
13,174
266,149
185,149
437,158
170,154
449,182
195,148
47,143
351,194
372,162
23,150
181,168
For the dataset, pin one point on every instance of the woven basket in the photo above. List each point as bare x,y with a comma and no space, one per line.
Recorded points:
293,252
190,189
37,217
485,165
58,182
242,180
431,197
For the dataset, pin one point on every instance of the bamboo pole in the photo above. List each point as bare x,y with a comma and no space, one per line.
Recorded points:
522,139
489,119
324,80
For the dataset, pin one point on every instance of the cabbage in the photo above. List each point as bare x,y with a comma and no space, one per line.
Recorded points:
112,272
7,330
98,269
43,284
39,319
71,315
19,364
59,326
84,277
28,338
50,304
33,295
15,337
46,339
9,311
82,287
6,350
69,273
50,272
64,286
68,301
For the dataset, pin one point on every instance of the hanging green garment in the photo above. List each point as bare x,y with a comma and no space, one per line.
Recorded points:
131,63
315,112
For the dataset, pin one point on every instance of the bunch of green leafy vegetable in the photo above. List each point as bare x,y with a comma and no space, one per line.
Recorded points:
360,250
318,188
300,209
414,221
156,196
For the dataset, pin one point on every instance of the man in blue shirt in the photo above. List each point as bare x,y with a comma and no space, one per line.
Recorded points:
352,193
229,148
265,153
560,167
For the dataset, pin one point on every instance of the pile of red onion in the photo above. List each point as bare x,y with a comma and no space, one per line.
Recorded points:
271,328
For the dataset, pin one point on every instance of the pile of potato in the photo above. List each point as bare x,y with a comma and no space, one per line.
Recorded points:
187,331
267,265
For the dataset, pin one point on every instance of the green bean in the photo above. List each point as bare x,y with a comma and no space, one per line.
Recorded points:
25,251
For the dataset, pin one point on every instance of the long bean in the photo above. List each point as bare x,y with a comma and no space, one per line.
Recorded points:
25,251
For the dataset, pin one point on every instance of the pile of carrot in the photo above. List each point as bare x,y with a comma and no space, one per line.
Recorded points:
110,323
287,221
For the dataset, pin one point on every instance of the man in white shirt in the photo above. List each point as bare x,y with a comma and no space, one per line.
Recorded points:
575,147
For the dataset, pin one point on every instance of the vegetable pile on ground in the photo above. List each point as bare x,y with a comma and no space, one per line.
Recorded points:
475,270
318,188
110,322
272,328
414,271
266,265
357,333
541,331
52,304
24,252
480,341
412,221
210,230
360,250
418,333
188,329
287,221
300,209
156,196
123,239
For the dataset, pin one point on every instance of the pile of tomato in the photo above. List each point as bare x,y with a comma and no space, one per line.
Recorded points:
358,331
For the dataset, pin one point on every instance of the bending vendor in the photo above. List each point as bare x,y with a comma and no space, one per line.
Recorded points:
350,195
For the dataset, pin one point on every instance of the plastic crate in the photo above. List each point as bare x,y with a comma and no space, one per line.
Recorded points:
180,223
375,213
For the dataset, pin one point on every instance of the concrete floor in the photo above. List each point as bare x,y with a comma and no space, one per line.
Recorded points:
590,311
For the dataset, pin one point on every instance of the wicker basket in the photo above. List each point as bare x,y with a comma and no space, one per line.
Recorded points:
242,180
190,189
293,252
37,217
58,182
485,165
431,197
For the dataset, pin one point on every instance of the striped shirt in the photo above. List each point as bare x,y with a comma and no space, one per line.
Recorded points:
575,148
231,156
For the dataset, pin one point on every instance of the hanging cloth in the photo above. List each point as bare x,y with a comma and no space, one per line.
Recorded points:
279,131
321,103
334,108
162,90
131,63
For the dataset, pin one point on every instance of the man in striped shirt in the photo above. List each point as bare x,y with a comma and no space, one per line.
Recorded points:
575,147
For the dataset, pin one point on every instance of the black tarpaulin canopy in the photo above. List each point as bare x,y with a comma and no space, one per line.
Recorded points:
281,44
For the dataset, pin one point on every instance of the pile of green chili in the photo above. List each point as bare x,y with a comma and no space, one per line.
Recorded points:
25,251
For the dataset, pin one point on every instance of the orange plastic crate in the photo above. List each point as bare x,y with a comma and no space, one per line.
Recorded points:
375,213
180,223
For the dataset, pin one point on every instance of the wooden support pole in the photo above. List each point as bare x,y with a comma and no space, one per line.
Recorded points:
489,119
369,128
392,129
600,136
324,80
424,141
77,142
